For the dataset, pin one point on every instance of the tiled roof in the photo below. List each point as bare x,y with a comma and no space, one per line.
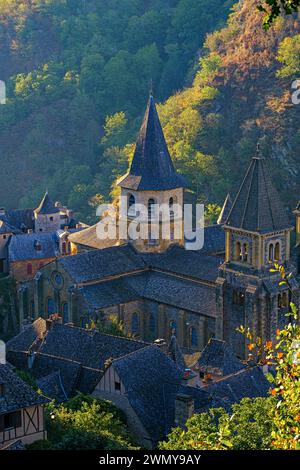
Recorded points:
23,247
257,206
46,206
106,294
98,264
218,355
151,380
214,239
24,340
186,262
225,210
249,382
87,347
152,167
6,228
17,394
20,218
52,387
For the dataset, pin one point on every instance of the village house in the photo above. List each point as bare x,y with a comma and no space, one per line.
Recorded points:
21,411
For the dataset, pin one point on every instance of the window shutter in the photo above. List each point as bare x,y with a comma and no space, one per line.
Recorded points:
17,421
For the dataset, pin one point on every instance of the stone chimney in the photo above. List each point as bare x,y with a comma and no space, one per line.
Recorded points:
2,352
184,409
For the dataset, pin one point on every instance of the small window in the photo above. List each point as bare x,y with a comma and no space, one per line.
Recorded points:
29,268
131,200
245,252
51,219
64,248
117,386
12,420
4,237
238,251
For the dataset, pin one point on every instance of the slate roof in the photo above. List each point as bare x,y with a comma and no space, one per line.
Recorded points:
151,380
225,210
20,218
17,394
52,387
88,237
214,240
249,382
46,206
88,347
152,167
24,340
218,355
194,264
98,264
23,247
178,292
7,228
257,206
109,293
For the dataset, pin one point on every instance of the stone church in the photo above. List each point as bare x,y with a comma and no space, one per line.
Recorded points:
157,287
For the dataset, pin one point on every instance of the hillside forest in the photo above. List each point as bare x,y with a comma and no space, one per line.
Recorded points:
78,76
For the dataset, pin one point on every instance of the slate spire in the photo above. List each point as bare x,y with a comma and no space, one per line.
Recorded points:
257,206
152,167
46,206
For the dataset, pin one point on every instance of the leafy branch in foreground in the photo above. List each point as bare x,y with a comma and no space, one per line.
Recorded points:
274,8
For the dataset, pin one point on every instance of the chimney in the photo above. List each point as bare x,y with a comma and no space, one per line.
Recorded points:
184,409
2,352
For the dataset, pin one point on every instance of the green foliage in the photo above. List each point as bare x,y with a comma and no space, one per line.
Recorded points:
289,56
110,326
247,427
211,214
87,423
40,445
73,66
274,8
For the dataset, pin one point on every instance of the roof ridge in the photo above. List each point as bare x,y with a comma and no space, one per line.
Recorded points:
151,345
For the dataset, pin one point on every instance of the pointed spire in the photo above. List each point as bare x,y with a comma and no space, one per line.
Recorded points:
225,210
46,206
152,167
257,206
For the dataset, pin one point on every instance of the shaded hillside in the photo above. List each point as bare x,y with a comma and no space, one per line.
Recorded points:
70,63
241,93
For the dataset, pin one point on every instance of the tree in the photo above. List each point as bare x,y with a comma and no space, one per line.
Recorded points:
248,426
274,8
84,422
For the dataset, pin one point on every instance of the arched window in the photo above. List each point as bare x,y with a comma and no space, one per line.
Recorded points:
171,202
65,312
29,268
135,323
151,204
277,252
245,252
50,306
271,252
193,337
238,251
64,248
131,200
